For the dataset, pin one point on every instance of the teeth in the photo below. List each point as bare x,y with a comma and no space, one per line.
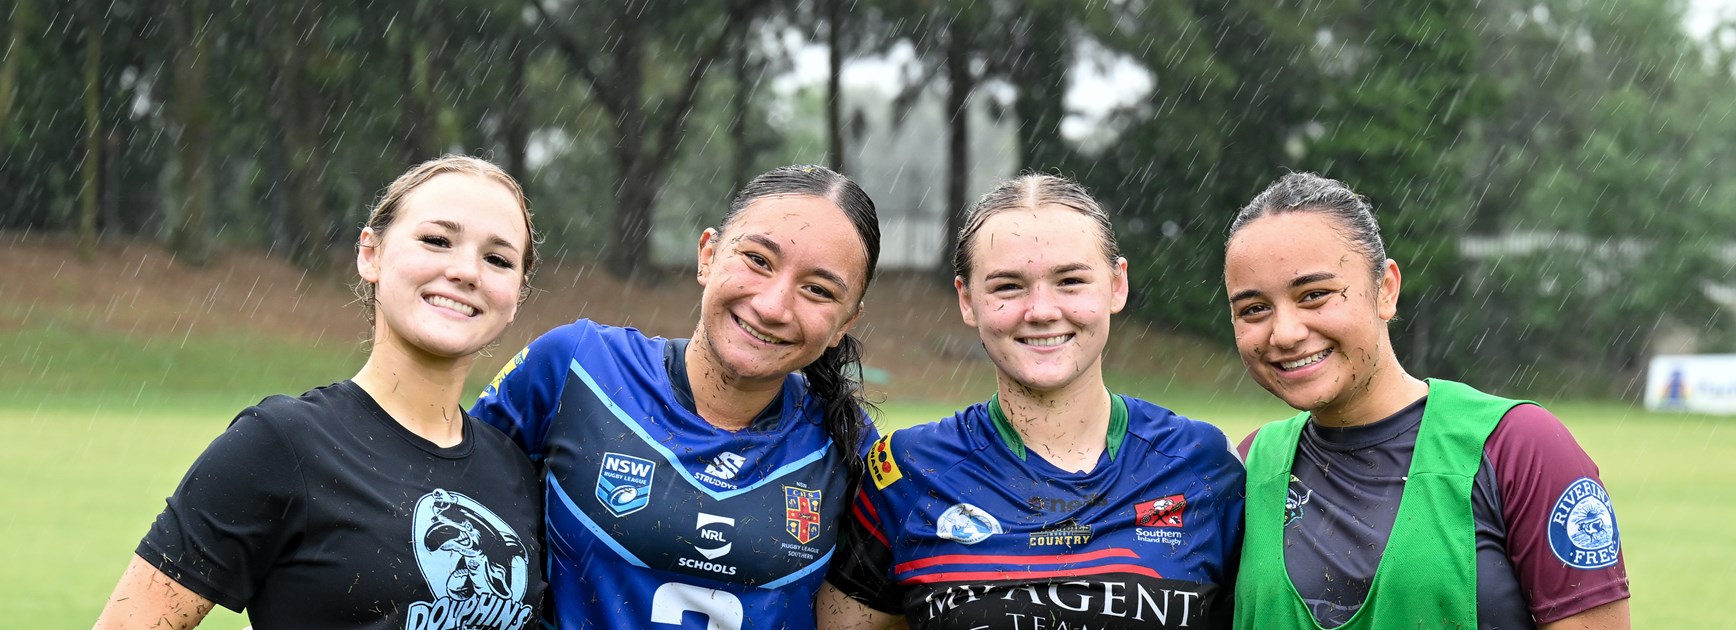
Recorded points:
1304,361
452,304
757,334
1045,342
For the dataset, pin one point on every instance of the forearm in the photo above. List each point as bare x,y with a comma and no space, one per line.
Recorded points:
145,598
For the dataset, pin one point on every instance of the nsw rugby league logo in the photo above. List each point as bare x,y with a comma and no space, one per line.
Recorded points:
624,483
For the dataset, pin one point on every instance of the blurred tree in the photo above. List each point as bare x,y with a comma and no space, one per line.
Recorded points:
189,24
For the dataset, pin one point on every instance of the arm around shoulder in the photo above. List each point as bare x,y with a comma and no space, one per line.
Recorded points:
146,598
834,610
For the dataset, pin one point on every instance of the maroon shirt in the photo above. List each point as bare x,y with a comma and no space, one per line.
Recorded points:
1345,488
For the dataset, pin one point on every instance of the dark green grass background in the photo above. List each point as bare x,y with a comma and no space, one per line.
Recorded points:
96,429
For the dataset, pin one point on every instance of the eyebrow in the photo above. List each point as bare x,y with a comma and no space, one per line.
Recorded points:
1302,280
1055,270
778,250
458,228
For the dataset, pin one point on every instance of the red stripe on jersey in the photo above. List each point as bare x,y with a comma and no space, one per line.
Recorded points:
1014,560
868,517
989,576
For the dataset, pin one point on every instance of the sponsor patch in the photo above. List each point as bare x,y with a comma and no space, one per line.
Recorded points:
1582,530
1068,533
881,466
1164,512
802,513
967,524
624,483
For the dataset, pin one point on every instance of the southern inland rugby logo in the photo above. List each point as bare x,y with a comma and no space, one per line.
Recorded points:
967,524
1582,530
1164,512
802,513
624,483
476,566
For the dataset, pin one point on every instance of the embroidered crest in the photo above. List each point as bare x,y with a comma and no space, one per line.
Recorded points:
624,483
802,513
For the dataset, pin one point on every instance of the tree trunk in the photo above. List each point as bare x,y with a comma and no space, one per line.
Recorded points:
959,86
190,241
635,192
299,109
740,109
23,19
516,118
1041,76
834,92
91,169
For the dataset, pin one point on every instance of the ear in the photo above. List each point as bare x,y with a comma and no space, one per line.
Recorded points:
964,308
1386,300
707,251
845,329
368,256
1118,286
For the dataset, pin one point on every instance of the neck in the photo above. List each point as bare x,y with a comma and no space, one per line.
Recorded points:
1068,427
1387,391
727,402
420,391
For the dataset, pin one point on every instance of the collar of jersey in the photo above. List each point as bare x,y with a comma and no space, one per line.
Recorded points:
1010,436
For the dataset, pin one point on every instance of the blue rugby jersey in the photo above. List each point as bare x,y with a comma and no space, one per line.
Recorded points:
655,518
956,526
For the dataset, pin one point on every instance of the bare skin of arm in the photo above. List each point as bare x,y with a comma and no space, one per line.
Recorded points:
145,598
836,611
1611,616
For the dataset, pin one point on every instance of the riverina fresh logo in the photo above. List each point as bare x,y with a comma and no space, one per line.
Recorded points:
1582,530
476,566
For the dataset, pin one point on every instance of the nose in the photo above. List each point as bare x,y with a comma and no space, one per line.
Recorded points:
1043,305
463,269
1288,330
772,302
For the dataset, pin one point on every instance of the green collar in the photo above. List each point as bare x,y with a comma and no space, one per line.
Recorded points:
1010,436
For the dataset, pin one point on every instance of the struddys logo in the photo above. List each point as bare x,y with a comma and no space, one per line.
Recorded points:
802,513
1582,530
476,566
624,483
967,524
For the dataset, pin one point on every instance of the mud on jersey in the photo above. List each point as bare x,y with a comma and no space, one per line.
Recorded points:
655,518
953,529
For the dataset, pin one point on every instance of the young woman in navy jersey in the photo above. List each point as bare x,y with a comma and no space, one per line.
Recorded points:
1056,503
1393,501
701,481
357,505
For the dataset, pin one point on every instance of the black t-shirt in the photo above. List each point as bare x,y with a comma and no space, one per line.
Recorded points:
323,512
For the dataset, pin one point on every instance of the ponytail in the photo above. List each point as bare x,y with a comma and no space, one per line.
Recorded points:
836,378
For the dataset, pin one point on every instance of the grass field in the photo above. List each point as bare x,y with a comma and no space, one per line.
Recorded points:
87,461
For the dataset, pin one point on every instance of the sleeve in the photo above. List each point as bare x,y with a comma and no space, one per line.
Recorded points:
240,507
1561,527
862,569
522,398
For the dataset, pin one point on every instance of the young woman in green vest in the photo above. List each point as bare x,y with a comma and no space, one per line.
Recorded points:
1392,501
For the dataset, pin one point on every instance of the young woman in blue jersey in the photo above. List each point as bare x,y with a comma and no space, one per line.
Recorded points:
1391,501
699,482
1056,503
357,505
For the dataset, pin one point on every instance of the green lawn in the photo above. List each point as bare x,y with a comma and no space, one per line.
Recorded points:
97,432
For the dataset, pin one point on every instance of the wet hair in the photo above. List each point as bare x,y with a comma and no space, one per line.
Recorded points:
1309,192
835,377
1030,192
385,212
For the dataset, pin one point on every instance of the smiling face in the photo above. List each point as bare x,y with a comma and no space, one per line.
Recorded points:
447,271
783,282
1310,317
1040,295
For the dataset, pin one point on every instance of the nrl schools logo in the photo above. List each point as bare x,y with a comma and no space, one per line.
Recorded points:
624,483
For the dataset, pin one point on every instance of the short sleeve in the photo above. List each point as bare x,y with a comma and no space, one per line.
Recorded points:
523,397
862,567
1562,533
240,506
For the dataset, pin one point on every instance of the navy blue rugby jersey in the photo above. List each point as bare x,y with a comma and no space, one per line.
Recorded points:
958,526
655,518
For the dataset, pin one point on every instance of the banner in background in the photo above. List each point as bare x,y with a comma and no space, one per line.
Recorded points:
1699,383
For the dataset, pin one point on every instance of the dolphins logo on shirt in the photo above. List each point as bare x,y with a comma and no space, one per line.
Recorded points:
477,568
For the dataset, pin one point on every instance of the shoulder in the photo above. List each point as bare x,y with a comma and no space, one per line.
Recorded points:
1175,434
291,416
927,449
